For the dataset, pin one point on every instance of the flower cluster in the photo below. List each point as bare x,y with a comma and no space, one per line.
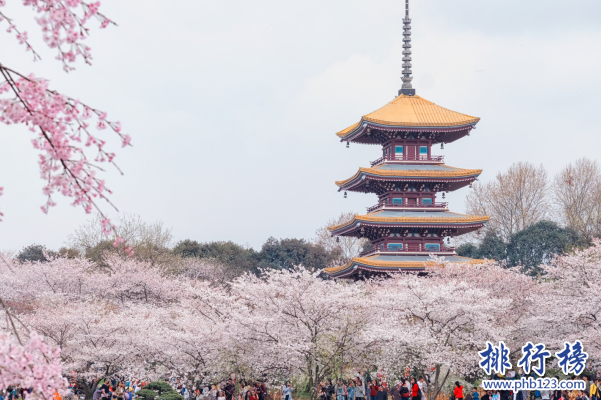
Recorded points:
129,315
33,365
63,24
63,135
62,125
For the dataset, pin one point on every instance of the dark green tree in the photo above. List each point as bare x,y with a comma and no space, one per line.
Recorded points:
188,248
35,253
538,244
240,258
492,247
287,253
159,390
147,394
468,250
159,386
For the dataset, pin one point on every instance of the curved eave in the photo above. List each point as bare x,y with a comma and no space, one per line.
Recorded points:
408,175
460,220
358,130
367,264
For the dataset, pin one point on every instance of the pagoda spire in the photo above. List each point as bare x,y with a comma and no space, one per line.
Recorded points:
407,89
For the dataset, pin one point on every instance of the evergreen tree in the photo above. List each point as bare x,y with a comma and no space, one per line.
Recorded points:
35,253
241,258
539,243
287,253
469,250
493,247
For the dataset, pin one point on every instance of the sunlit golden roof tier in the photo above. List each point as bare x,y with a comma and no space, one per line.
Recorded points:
393,176
385,263
410,115
396,221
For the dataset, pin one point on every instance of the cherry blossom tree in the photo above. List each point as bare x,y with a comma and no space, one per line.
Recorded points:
33,365
570,307
299,322
197,340
143,321
101,319
67,131
443,319
126,317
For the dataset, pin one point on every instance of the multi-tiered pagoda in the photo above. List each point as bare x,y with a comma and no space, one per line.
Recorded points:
408,224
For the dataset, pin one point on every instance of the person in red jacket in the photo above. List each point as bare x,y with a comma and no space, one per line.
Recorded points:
458,392
414,389
373,390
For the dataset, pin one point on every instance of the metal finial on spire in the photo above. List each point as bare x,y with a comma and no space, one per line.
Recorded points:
407,89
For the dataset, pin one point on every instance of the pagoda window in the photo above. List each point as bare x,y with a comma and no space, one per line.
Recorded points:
432,247
398,150
395,246
427,202
423,151
397,201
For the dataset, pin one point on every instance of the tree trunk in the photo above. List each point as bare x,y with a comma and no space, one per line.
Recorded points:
437,386
87,389
315,384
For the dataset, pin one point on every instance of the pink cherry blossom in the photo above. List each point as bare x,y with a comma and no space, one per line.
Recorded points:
189,319
63,26
71,153
34,365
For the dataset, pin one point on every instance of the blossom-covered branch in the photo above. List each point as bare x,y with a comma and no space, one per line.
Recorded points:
35,365
63,24
63,128
62,124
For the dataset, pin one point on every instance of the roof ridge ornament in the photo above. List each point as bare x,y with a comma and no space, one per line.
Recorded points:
407,89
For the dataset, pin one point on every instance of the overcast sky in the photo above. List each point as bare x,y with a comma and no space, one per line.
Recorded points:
233,106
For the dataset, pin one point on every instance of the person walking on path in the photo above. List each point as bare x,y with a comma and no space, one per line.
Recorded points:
359,390
414,389
373,390
340,390
287,391
423,388
229,389
458,391
594,390
351,390
382,393
395,392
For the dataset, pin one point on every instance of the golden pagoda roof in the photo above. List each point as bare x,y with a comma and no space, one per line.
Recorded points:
413,111
445,217
418,171
387,262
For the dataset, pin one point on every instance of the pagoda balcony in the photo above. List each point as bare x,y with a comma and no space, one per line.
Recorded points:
408,207
408,159
408,250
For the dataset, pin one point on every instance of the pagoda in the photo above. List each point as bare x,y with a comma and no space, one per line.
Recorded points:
408,225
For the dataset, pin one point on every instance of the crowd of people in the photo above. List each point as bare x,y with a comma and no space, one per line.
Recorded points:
362,387
111,389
